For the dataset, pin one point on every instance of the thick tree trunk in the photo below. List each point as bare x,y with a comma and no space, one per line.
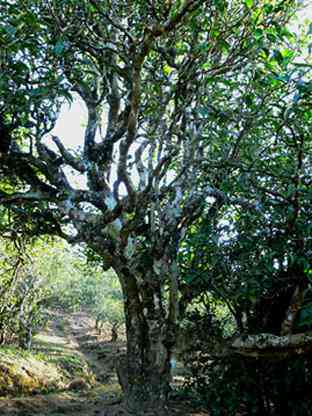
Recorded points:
144,373
145,386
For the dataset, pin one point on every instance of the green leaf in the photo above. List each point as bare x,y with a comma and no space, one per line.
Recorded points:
204,112
258,34
224,45
167,69
249,3
59,47
278,56
37,92
11,30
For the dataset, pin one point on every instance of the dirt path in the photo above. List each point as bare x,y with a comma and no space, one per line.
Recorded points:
72,341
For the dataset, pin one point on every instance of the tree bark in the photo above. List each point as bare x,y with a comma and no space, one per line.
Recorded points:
144,373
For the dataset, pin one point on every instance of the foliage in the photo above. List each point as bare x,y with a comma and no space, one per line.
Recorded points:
75,280
257,261
231,385
71,283
259,242
46,274
108,304
22,296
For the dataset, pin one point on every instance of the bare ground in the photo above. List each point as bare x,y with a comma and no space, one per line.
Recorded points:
94,391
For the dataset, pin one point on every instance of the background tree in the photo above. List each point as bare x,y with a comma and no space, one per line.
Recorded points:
108,306
146,74
23,294
258,262
260,259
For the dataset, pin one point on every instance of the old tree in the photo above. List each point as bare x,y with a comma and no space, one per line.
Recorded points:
153,76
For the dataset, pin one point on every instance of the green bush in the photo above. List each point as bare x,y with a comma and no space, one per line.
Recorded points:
228,384
22,298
